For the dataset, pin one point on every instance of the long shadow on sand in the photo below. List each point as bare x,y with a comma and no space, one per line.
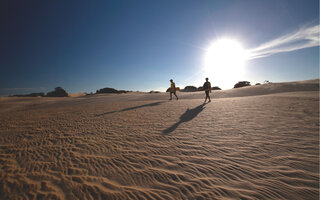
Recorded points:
185,117
133,108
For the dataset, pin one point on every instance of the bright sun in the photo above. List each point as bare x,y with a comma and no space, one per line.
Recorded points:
224,61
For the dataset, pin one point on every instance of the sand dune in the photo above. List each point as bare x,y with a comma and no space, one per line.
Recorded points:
77,94
261,143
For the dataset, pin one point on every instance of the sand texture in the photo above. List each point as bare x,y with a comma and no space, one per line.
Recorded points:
259,142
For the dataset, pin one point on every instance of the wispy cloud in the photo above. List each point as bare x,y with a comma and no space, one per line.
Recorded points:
305,37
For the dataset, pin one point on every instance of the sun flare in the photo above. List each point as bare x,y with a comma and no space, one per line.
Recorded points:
225,60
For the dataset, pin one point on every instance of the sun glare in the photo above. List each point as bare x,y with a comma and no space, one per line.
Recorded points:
224,62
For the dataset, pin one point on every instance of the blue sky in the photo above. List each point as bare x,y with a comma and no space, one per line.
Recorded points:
140,45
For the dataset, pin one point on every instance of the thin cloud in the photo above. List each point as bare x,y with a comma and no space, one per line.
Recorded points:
303,38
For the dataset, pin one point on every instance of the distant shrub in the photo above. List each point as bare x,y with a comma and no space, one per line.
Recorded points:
40,94
122,91
200,88
258,83
110,90
58,92
242,84
215,88
266,82
107,90
190,89
151,92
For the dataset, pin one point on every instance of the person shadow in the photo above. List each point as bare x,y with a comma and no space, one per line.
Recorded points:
133,108
185,117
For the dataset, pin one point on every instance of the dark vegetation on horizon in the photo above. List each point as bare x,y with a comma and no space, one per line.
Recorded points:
110,90
40,94
191,88
57,92
242,84
60,92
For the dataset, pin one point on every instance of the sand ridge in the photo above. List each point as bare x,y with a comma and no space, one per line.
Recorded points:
142,146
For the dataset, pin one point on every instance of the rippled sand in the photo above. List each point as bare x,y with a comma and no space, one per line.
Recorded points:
142,146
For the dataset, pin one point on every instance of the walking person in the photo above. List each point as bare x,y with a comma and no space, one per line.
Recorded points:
173,90
207,89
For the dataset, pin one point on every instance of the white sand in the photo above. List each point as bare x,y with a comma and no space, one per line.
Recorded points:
142,146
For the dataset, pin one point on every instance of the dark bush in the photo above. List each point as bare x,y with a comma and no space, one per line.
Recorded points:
258,83
107,90
215,88
152,91
58,92
190,89
110,90
40,94
266,82
242,84
200,88
122,91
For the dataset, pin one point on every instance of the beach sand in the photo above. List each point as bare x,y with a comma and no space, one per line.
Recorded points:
258,142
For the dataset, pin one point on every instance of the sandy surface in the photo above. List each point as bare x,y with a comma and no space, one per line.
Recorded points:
142,146
77,94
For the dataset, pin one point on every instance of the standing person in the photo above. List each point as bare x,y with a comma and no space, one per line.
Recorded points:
173,90
207,89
